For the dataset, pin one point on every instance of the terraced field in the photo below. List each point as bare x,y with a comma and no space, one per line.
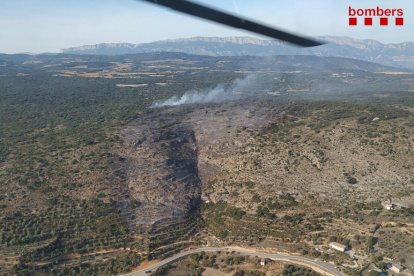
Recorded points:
93,180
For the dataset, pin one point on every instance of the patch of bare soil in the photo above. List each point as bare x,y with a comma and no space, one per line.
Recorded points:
171,152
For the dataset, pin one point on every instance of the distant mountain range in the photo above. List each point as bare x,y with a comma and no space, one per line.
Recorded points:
398,55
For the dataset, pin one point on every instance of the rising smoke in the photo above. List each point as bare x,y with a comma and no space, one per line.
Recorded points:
239,88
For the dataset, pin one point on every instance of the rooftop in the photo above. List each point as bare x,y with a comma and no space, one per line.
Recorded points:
337,244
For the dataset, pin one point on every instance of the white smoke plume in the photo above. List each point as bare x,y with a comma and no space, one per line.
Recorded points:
237,89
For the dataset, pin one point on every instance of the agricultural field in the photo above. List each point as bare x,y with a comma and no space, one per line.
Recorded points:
96,178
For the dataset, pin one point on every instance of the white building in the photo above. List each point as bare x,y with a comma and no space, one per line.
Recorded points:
338,246
263,261
396,268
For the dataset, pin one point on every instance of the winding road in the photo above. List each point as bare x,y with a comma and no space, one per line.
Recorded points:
320,266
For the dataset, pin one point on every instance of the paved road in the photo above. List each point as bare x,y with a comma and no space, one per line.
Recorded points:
318,265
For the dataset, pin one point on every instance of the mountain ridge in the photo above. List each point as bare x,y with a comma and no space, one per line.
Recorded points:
392,54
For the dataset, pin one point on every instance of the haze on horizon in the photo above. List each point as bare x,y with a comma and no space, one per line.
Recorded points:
38,26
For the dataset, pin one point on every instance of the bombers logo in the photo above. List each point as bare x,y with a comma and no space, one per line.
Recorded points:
384,15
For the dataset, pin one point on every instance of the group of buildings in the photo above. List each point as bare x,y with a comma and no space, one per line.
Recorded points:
396,268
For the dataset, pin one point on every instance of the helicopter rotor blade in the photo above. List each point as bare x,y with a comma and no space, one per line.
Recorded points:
214,15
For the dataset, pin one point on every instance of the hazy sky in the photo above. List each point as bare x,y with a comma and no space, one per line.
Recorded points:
49,25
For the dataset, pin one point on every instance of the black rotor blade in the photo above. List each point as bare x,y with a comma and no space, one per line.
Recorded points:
234,21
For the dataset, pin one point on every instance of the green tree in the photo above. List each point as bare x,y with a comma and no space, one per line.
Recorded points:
370,244
374,273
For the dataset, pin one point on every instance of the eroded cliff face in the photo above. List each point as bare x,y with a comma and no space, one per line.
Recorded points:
171,152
